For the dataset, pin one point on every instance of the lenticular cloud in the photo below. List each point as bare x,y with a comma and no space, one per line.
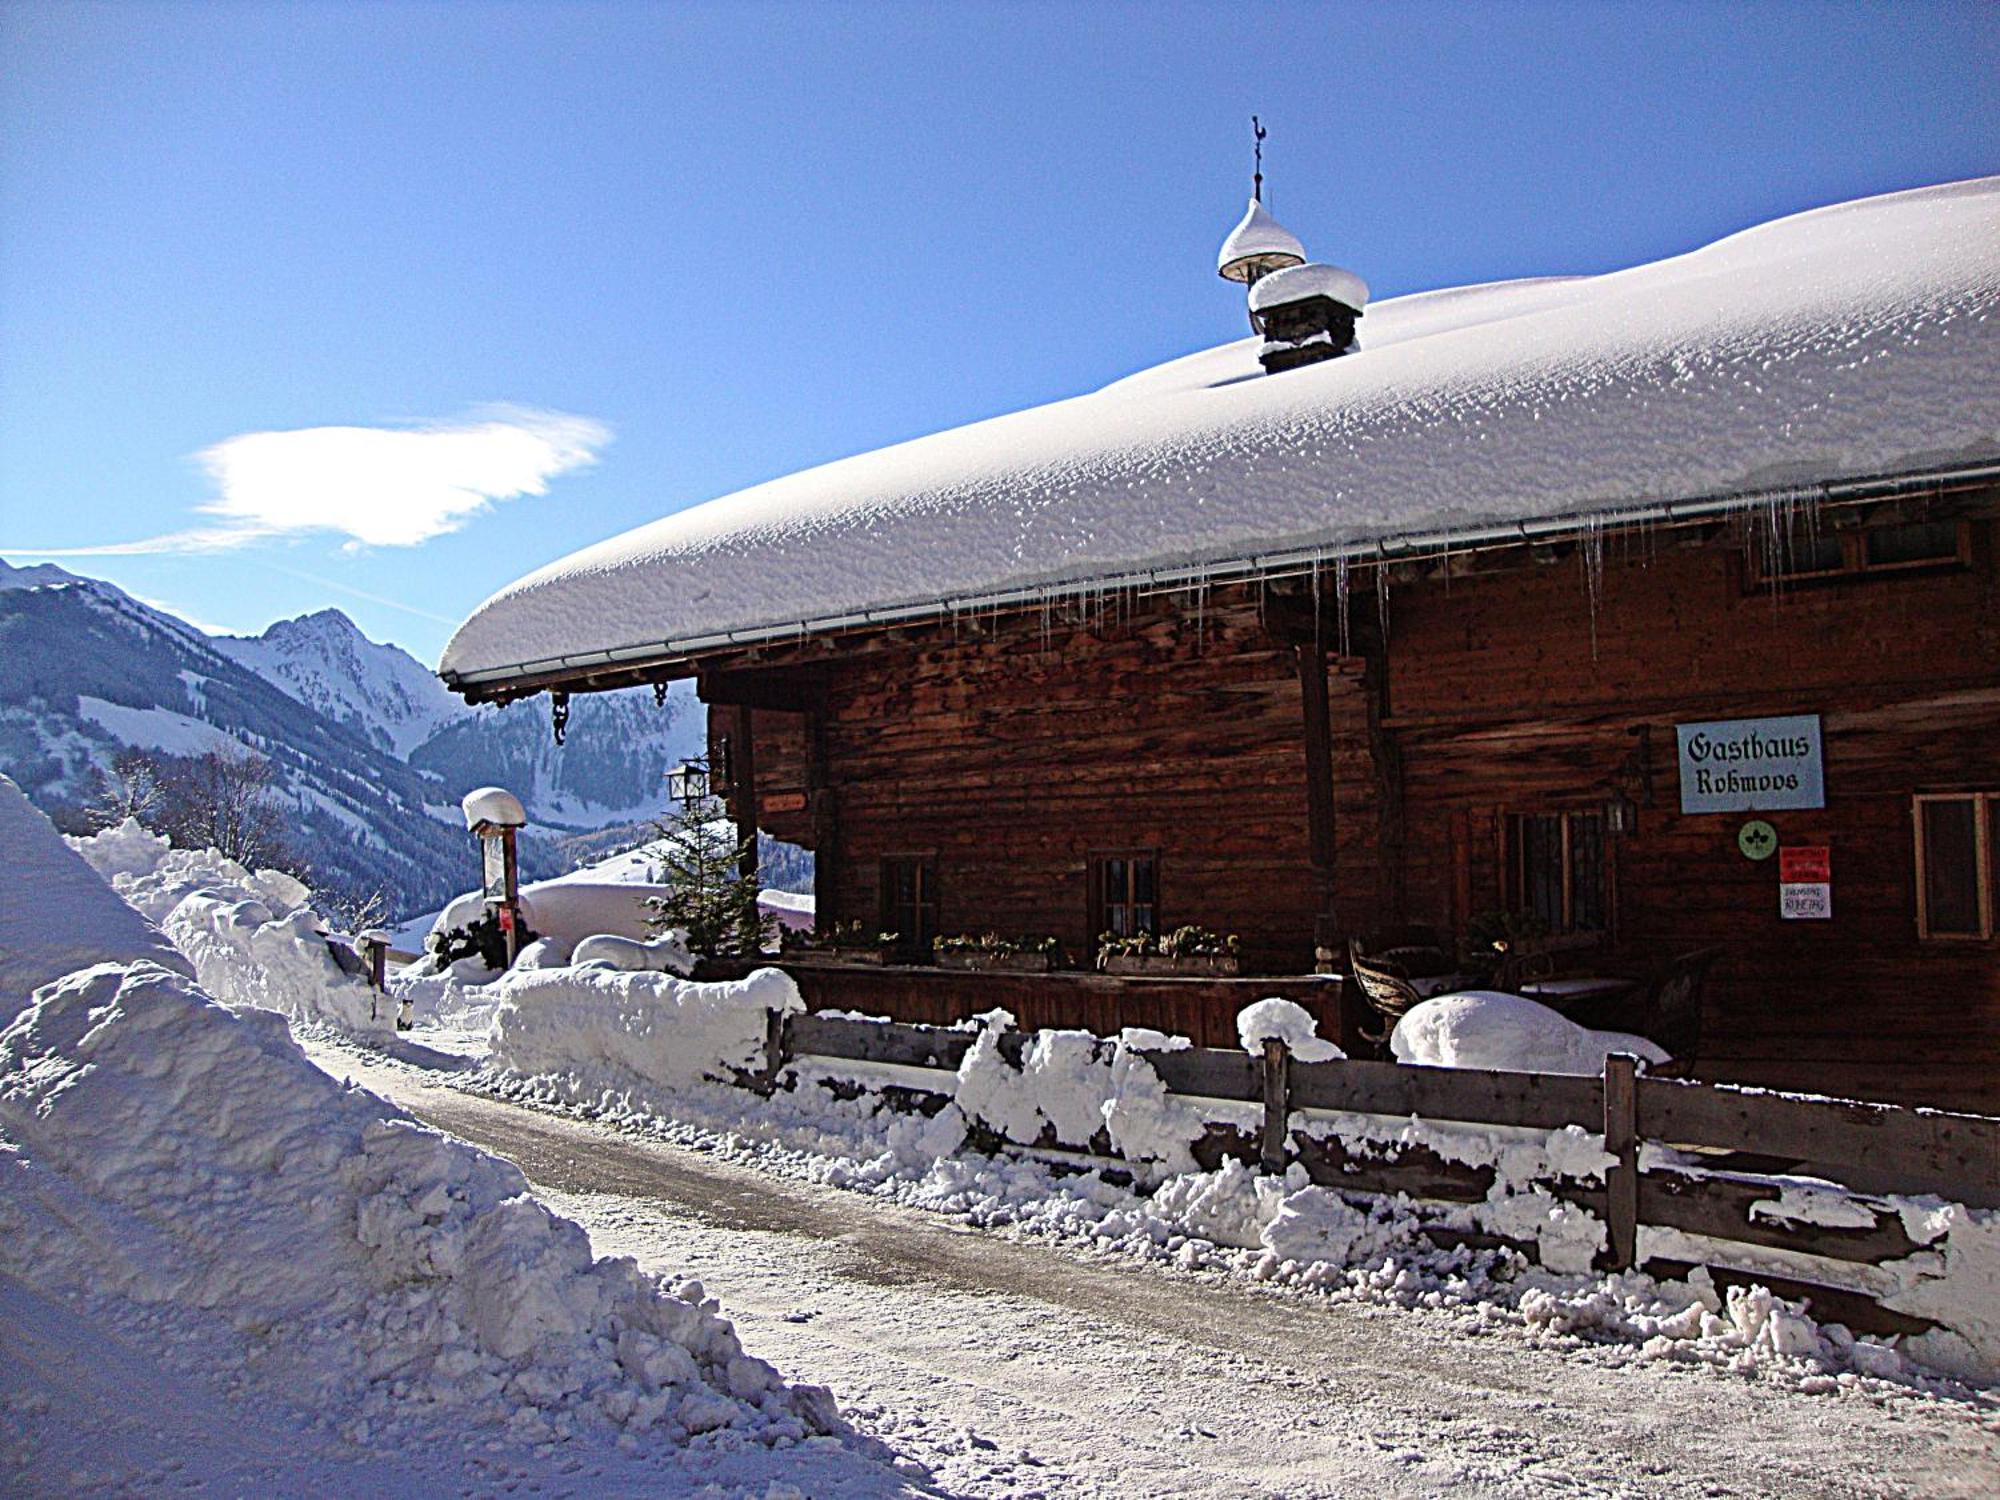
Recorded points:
377,486
392,487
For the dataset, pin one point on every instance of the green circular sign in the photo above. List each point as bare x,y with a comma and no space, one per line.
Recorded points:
1757,839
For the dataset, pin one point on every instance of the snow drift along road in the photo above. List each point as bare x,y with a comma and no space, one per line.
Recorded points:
183,1172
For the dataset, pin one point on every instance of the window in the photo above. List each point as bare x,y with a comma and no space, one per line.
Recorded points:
1811,554
1956,835
909,902
1556,869
1124,894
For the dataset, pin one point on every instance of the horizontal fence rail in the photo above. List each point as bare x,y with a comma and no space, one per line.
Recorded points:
1735,1151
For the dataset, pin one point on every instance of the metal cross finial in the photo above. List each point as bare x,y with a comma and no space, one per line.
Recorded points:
1257,180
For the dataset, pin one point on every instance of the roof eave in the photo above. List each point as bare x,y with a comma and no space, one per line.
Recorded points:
625,666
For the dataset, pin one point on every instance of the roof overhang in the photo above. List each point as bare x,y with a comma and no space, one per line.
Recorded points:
658,661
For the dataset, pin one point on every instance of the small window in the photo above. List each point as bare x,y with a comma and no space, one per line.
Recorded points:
1124,891
1810,553
1557,870
909,902
1955,854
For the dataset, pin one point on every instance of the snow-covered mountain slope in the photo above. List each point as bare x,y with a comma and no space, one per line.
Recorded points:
372,753
609,770
85,671
325,662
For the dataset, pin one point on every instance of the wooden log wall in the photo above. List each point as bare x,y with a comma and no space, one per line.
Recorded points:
1010,751
1507,694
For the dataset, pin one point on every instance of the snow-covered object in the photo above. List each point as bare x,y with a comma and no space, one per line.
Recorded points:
1296,283
1507,1033
1849,342
1281,1020
664,955
335,1257
1256,238
495,805
249,935
568,909
56,915
645,1032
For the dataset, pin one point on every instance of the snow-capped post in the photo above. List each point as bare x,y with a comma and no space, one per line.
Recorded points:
1277,1105
1621,1140
375,949
494,815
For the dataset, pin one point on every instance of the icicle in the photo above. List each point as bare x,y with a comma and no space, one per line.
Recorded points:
1340,593
1382,601
1590,550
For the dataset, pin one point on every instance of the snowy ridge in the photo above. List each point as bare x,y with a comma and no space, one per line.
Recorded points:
325,662
1846,343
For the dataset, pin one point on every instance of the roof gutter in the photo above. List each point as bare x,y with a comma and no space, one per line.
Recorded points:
1287,562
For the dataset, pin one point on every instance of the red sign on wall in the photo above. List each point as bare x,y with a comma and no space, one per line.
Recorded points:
1805,864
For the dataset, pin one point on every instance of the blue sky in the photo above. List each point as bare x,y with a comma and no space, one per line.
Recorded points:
612,260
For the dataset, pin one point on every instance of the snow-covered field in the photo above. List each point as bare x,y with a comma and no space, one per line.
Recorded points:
223,1269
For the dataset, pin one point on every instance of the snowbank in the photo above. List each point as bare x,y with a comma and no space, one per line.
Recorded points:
181,1173
56,916
1507,1033
249,936
650,1033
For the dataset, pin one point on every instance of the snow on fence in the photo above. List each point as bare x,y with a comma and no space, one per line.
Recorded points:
1850,1205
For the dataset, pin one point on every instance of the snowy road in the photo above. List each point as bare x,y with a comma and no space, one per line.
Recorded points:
1019,1368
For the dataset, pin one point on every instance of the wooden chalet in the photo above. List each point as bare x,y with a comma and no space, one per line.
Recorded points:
1661,611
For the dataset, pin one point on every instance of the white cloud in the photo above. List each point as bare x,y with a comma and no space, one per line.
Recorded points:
377,486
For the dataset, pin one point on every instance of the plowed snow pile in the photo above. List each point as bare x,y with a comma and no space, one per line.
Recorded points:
176,1176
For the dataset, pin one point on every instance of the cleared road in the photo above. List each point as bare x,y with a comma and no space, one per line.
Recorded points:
1021,1368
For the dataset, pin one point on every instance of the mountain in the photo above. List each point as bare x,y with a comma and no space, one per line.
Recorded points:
370,754
325,662
609,770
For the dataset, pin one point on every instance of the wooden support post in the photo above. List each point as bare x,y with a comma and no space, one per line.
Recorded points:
1387,758
823,801
1621,1140
743,788
1277,1106
1320,829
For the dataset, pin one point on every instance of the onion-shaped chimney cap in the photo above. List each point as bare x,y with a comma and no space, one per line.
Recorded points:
1258,245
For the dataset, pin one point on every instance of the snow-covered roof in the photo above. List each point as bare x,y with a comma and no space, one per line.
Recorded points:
1258,237
1314,279
1850,342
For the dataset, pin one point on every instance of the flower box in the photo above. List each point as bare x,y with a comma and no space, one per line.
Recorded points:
971,961
1187,966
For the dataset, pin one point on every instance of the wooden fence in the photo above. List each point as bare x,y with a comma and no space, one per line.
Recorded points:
1745,1140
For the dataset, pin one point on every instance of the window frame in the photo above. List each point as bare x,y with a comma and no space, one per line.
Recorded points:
1854,560
1985,808
912,944
1514,885
1100,909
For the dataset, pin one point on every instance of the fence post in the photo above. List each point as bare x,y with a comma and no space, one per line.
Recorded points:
1277,1104
777,1051
1621,1139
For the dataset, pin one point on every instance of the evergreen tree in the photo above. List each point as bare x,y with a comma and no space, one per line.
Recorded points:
699,859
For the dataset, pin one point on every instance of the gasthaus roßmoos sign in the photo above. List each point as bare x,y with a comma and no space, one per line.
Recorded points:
1751,765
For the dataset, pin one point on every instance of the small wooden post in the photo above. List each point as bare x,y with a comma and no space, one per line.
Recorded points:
1277,1105
1621,1139
777,1047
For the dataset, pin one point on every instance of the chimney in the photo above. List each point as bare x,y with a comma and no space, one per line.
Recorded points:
1306,313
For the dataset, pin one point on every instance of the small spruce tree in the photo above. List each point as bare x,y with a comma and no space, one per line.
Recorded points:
699,858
